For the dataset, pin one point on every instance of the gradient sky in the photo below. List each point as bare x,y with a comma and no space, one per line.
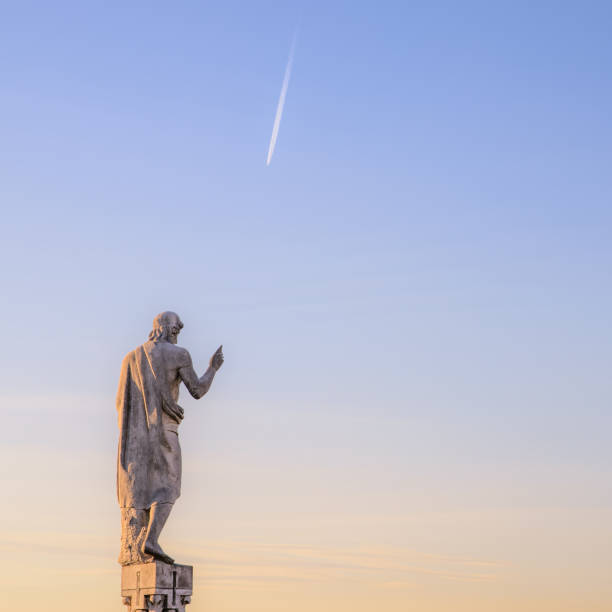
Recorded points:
414,298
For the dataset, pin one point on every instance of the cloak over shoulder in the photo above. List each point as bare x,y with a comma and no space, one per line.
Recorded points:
149,457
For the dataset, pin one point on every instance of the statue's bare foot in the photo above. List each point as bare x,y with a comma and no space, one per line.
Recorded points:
155,551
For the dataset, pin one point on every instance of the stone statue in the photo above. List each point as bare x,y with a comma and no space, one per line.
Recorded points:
149,457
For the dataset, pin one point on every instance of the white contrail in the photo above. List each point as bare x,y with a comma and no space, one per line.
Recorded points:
281,102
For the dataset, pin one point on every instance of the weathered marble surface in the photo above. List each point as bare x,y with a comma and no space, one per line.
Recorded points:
149,456
134,523
156,586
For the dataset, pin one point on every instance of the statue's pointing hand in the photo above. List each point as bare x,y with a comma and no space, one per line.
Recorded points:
216,361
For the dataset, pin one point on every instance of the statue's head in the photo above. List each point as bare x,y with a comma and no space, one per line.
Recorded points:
166,327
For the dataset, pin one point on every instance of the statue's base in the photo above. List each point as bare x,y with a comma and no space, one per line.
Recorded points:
156,586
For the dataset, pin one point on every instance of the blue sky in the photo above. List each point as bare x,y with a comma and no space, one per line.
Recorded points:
413,298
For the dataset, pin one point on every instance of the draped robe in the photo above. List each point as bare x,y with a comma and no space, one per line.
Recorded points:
149,455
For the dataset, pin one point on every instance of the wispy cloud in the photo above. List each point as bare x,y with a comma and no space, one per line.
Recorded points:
58,543
249,565
245,563
281,101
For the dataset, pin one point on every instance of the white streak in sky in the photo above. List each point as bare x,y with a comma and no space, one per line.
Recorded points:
281,102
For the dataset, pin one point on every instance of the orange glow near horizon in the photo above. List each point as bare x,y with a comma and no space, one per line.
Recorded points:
478,560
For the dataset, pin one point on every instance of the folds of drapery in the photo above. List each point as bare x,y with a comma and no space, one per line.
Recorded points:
149,456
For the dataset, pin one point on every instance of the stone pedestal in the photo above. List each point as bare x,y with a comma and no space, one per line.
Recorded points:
156,586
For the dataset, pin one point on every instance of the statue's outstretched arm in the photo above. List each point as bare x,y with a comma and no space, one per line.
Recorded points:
198,386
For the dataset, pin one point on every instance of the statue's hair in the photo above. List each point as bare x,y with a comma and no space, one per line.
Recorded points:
160,325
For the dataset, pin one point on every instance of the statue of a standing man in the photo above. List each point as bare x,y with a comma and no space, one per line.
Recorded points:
149,458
